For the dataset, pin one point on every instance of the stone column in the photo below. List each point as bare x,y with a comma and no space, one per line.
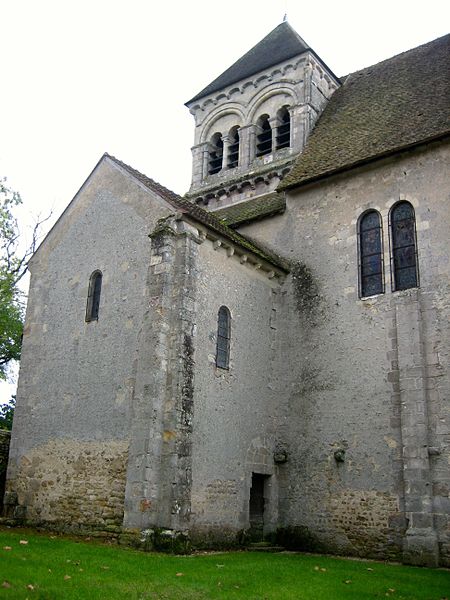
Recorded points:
246,146
226,143
274,126
299,126
142,491
420,543
158,483
199,166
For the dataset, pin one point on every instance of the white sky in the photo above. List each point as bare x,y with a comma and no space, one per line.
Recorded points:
81,78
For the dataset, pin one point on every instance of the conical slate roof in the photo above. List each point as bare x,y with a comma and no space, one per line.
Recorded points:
280,44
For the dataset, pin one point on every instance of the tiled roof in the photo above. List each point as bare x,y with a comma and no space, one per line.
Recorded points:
202,216
386,108
279,45
251,210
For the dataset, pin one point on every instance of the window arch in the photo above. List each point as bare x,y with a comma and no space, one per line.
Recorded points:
93,300
233,148
264,136
370,246
404,263
223,338
215,154
283,139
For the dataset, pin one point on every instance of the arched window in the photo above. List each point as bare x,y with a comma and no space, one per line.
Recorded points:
371,267
215,154
404,263
93,300
283,139
233,148
264,136
223,338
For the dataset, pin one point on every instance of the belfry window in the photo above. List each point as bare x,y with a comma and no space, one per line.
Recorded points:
93,300
404,263
215,154
371,265
264,136
233,148
283,139
223,338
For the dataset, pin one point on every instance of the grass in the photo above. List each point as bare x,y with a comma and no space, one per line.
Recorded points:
52,567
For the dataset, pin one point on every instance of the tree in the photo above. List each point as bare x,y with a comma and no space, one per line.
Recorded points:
13,266
7,414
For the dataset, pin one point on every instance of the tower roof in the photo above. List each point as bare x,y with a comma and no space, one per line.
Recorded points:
280,44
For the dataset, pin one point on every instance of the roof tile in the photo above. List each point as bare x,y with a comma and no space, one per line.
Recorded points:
393,105
279,45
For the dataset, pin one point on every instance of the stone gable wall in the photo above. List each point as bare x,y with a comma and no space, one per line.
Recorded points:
71,432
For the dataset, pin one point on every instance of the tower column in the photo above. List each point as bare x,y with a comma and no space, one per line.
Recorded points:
199,163
273,122
247,142
226,144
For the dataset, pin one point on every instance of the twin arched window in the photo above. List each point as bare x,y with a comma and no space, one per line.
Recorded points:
93,300
216,151
264,142
403,250
223,338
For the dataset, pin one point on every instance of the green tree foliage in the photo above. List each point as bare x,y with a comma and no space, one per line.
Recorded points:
13,266
7,414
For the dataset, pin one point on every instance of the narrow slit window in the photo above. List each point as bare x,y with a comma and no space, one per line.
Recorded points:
215,154
371,265
223,338
404,263
264,137
233,148
93,301
283,139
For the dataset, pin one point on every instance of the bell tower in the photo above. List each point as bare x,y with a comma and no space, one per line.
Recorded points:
254,119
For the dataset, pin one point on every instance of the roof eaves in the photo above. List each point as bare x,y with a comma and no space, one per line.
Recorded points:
285,185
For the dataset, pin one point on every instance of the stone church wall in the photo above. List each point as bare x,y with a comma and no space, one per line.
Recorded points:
370,377
69,452
235,410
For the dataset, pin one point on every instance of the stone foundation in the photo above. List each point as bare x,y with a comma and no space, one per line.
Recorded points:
63,478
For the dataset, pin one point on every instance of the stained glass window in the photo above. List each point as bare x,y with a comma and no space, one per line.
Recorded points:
370,255
223,338
404,247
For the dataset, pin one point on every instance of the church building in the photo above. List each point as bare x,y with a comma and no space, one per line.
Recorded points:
267,356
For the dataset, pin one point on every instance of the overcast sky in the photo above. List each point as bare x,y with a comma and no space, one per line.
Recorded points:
87,77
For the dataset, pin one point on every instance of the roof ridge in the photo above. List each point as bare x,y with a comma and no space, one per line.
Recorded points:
393,57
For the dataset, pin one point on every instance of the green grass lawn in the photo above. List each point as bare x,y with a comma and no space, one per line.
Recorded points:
49,567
